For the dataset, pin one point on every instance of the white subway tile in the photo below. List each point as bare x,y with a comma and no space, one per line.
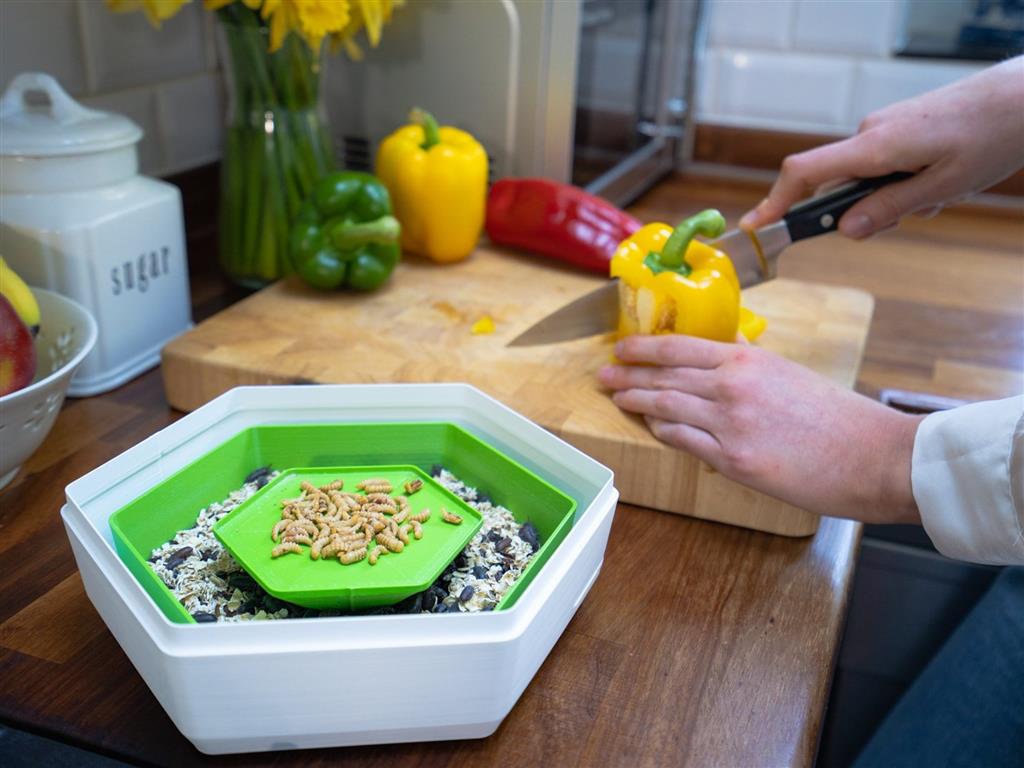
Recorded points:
796,89
846,26
139,104
880,83
124,50
754,23
191,113
42,37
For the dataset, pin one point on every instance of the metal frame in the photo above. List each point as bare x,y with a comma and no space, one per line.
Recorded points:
672,127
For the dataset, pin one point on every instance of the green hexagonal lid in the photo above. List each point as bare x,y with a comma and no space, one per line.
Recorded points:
324,584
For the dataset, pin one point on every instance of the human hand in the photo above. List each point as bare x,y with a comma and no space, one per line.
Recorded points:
770,424
959,140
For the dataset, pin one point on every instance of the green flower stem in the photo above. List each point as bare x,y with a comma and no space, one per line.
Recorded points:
275,147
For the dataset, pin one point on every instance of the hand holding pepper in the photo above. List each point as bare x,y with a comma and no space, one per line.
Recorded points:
345,235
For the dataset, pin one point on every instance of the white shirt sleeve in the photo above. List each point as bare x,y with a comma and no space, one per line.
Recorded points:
968,480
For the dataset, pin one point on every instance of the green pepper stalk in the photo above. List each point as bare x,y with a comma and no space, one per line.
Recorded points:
709,223
431,129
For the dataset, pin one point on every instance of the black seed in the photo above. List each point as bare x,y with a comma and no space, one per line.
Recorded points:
208,555
429,601
483,498
466,593
503,544
202,617
440,608
460,561
257,474
240,580
263,481
493,536
479,571
489,607
435,471
528,533
178,557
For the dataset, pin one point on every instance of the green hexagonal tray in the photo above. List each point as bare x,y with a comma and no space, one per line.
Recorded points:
327,584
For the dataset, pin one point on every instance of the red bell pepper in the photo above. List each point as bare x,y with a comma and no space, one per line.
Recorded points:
557,220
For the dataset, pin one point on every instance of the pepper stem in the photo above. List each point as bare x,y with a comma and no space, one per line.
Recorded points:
347,235
431,130
709,223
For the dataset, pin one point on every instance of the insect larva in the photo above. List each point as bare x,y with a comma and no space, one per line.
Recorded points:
381,498
421,517
403,534
393,527
390,542
362,485
375,553
379,509
413,485
301,538
417,529
314,552
450,517
378,526
309,488
352,556
278,529
334,485
285,548
400,517
330,550
403,503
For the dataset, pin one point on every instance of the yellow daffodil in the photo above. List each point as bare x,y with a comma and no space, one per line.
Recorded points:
156,10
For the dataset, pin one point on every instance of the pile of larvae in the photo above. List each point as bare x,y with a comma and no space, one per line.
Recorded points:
337,524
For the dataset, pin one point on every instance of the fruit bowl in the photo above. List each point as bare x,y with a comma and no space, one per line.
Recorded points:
67,333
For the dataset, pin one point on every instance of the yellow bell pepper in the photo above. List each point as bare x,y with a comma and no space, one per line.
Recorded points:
671,283
437,177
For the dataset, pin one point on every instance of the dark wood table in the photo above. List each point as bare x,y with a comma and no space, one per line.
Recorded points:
717,651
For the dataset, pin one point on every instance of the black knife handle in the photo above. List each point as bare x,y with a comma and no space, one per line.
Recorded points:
821,214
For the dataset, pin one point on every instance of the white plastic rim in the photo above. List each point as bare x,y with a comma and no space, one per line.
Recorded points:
85,321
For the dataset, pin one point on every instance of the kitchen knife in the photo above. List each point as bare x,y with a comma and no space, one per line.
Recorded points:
755,256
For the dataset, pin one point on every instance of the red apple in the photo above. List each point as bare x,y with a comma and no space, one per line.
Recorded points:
17,352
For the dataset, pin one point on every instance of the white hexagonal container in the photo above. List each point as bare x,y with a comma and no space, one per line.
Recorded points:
379,679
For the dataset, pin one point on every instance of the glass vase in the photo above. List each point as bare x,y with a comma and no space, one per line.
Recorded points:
276,146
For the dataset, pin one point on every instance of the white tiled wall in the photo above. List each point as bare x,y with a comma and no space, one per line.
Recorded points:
811,66
167,80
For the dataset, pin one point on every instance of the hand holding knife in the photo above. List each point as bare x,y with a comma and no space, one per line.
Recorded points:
754,254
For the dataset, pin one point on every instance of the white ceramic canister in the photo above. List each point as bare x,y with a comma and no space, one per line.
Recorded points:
76,217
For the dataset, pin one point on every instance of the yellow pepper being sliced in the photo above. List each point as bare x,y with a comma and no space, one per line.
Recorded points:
671,283
437,177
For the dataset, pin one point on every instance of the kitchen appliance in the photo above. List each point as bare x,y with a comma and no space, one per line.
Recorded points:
755,256
596,92
77,218
457,674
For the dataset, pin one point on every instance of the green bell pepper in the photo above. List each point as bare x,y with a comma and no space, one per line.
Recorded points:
345,235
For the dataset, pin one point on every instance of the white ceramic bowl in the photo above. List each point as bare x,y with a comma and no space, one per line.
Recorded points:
67,332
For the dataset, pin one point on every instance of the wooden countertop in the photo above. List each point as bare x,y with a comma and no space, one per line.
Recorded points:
699,644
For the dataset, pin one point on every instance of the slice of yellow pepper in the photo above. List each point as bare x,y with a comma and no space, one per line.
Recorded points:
671,283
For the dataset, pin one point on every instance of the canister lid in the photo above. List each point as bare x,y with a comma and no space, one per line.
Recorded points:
38,118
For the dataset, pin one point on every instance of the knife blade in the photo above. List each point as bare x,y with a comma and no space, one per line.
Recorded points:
755,255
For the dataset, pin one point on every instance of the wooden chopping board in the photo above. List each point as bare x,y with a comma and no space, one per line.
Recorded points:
417,329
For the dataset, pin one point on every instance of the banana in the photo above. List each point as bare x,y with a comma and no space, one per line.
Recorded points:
14,289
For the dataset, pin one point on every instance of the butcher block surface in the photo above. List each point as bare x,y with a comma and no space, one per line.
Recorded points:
417,329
